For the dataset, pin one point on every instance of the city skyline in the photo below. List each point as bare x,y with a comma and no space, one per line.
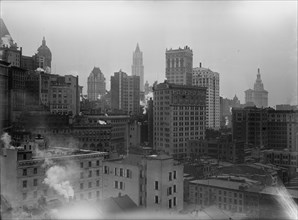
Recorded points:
231,38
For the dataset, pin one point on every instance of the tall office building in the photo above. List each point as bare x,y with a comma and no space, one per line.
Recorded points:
137,67
96,84
179,116
206,78
44,56
125,93
257,96
179,66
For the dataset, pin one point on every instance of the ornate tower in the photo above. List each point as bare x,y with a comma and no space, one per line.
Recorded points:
44,56
137,67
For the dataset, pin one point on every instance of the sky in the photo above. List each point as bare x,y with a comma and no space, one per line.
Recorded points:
233,38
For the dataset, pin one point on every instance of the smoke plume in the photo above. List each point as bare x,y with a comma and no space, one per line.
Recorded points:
6,140
57,177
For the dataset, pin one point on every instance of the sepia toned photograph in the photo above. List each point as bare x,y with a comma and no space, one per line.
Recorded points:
164,109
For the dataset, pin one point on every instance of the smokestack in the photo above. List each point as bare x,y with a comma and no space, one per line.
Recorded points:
200,65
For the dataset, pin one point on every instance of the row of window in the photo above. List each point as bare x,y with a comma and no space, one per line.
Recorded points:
89,174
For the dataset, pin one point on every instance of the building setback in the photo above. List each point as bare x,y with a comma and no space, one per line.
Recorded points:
206,78
125,93
179,66
257,96
137,68
96,85
179,116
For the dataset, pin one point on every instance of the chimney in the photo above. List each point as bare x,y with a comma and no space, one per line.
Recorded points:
200,65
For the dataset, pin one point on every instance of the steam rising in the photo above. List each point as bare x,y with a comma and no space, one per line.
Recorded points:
287,202
6,140
57,178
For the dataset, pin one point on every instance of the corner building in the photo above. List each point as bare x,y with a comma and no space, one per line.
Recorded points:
179,116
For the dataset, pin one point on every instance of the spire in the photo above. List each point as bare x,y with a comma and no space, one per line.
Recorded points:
258,75
137,48
43,41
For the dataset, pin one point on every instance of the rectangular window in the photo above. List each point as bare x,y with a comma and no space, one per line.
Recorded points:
156,185
106,169
82,175
121,185
90,173
174,201
97,172
81,185
90,163
24,172
35,170
121,171
170,203
128,173
82,165
170,176
174,188
89,184
156,199
35,182
97,163
116,184
25,184
174,176
115,171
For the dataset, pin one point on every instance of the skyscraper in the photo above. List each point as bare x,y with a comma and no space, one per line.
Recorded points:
44,56
179,116
179,66
137,67
125,93
209,79
257,96
96,85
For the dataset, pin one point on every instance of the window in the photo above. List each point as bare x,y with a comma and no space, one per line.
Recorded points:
89,184
25,184
97,172
174,201
170,191
174,174
170,203
106,169
121,171
116,184
90,173
81,185
174,188
116,171
156,185
90,163
82,164
97,163
97,182
35,170
35,182
128,173
156,199
24,172
121,185
82,175
170,176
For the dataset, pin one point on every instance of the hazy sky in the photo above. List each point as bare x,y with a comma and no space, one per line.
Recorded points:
233,38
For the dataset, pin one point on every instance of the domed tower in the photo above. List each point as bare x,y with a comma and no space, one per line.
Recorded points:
44,56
